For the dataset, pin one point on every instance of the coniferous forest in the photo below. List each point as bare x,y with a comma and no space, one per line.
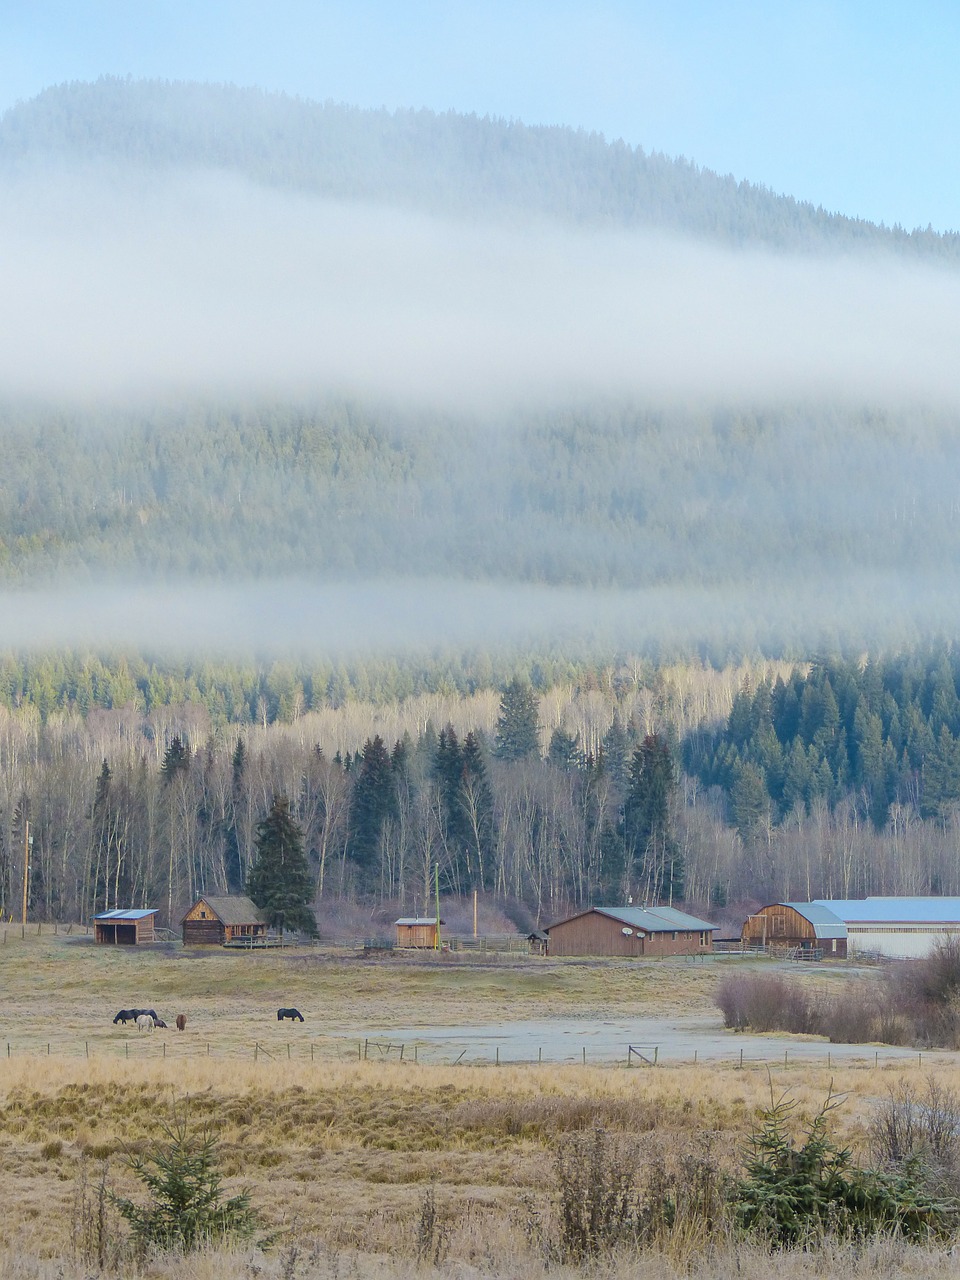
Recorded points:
682,783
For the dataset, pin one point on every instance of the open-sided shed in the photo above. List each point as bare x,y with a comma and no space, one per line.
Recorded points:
220,921
630,931
124,928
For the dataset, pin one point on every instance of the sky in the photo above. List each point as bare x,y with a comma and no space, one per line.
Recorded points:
851,105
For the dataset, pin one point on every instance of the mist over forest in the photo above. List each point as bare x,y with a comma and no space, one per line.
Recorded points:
290,375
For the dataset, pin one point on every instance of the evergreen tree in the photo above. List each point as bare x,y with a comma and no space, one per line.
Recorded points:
279,881
176,759
518,729
657,867
374,801
475,801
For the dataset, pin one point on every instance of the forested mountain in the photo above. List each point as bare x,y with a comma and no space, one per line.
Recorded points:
281,347
444,163
617,497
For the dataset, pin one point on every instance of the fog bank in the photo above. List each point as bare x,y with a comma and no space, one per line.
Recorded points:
120,285
303,619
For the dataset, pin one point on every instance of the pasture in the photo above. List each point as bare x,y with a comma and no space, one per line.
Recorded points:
356,1162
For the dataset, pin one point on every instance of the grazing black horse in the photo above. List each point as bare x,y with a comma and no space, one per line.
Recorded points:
131,1015
293,1014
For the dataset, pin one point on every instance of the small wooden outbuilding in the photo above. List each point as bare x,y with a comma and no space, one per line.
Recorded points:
422,932
124,928
217,922
630,931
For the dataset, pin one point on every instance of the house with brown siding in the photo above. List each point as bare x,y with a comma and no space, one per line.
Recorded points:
215,922
630,931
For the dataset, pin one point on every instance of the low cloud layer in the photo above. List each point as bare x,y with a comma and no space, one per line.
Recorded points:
120,287
299,618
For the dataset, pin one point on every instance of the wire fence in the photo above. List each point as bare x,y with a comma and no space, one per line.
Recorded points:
153,1047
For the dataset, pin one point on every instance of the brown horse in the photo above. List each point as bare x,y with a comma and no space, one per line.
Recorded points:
181,1021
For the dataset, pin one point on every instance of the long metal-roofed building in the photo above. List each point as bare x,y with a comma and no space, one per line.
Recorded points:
630,931
899,928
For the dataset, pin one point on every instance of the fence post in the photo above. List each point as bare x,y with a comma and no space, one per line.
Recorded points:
584,1055
86,1045
256,1049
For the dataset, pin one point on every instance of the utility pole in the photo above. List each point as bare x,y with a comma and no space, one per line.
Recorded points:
27,842
436,883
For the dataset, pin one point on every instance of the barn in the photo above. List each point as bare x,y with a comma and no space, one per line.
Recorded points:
630,931
220,922
806,927
124,928
422,932
893,928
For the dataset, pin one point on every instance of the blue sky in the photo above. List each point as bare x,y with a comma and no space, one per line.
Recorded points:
854,105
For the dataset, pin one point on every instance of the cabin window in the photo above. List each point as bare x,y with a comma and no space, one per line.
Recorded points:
674,935
203,915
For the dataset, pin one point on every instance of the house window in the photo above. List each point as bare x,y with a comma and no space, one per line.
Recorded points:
674,935
203,915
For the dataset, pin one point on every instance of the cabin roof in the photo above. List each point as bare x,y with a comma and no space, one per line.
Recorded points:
413,920
233,909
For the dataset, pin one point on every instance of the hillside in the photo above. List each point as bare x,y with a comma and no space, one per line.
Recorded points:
441,163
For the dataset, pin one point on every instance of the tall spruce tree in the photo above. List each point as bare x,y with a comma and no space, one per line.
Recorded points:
373,803
279,881
657,866
518,728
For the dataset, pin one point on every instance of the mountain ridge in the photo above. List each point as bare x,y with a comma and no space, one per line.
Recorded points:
441,162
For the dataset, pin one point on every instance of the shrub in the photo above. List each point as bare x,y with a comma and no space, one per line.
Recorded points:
795,1194
673,1199
186,1210
920,1130
596,1194
764,1003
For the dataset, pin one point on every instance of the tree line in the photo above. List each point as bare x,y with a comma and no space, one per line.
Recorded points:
539,801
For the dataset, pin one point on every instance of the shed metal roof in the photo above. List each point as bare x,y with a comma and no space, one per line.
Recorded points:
411,920
119,914
894,910
826,923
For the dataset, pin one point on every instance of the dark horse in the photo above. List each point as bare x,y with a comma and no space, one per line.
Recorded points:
293,1014
131,1015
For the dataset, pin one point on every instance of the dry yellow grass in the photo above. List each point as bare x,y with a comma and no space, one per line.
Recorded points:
339,1153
